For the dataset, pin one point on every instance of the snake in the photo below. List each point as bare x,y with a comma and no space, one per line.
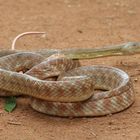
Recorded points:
58,85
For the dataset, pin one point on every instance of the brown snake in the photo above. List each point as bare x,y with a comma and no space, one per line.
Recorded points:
73,92
58,85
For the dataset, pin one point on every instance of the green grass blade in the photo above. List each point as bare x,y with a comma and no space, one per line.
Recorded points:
10,104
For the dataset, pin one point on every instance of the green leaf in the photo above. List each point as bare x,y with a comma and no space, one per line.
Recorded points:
10,104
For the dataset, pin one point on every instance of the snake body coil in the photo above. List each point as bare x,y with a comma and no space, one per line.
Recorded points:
59,86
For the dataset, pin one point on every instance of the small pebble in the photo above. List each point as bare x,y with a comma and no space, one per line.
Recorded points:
136,79
123,134
79,31
138,112
110,123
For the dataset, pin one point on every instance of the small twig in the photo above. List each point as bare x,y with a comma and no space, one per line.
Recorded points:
93,133
14,123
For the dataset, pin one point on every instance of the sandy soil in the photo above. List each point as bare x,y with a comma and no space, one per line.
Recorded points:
71,24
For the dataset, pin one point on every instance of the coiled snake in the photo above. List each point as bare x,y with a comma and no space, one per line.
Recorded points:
58,85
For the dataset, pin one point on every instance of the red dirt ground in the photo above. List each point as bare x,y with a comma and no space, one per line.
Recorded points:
71,24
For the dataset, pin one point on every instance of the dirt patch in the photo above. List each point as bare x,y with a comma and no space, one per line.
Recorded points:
71,24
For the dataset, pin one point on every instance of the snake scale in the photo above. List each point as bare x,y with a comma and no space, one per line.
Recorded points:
59,86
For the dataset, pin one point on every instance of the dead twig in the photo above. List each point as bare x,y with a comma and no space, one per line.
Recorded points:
14,123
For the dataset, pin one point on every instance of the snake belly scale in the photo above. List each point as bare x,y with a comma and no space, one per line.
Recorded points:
60,86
